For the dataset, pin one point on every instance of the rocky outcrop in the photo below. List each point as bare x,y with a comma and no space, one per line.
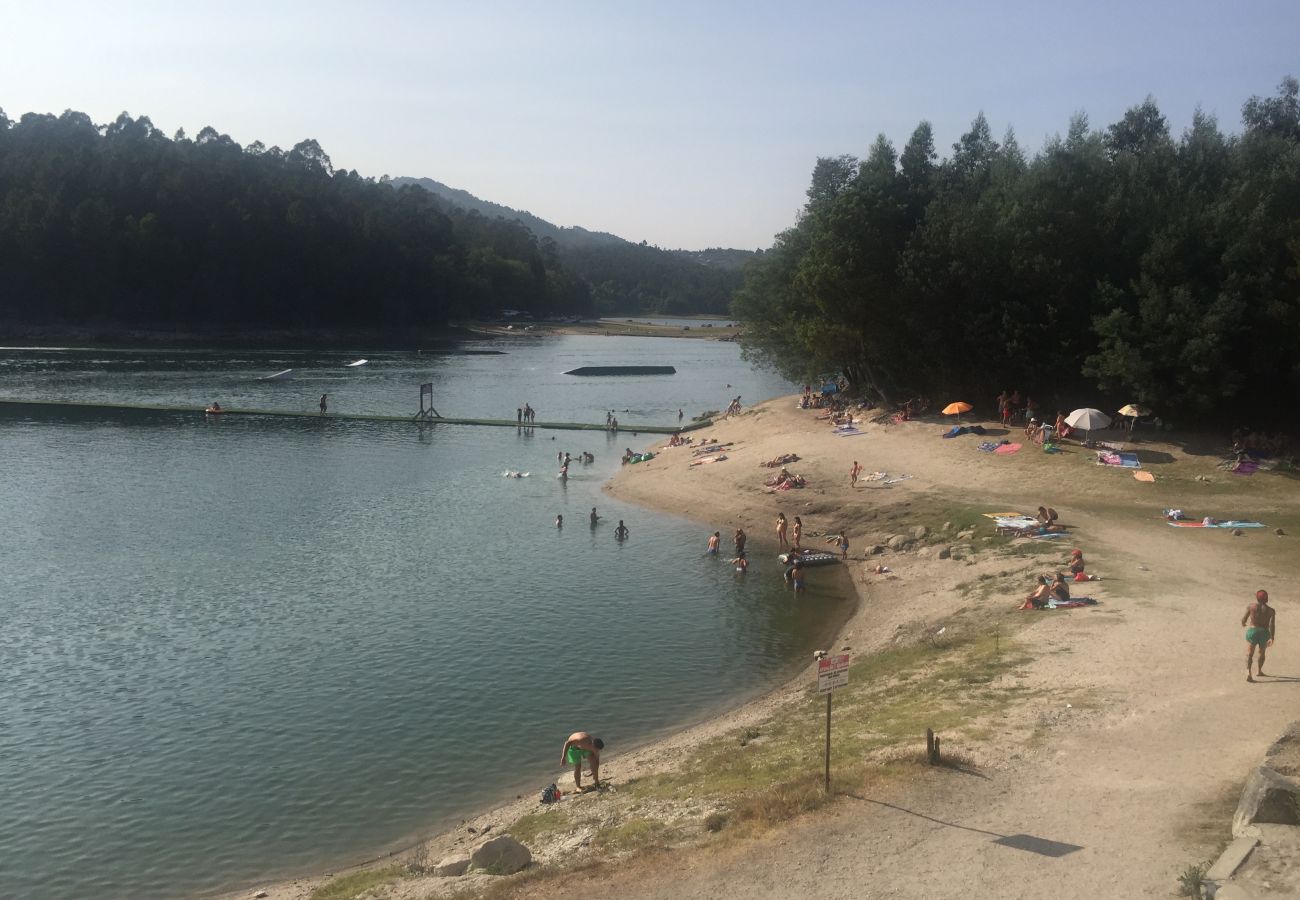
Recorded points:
1268,797
452,866
500,856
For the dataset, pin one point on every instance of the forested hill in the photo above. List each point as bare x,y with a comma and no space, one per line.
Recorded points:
119,224
1122,265
624,277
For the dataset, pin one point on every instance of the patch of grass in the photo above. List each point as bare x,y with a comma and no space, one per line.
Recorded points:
356,884
527,829
631,835
748,735
783,801
715,821
1190,881
524,884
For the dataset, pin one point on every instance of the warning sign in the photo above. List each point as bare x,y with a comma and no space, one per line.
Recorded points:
832,673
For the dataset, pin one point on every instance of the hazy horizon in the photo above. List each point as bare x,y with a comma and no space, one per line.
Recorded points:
685,127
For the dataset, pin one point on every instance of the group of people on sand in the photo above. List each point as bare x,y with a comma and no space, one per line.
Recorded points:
784,479
782,526
525,415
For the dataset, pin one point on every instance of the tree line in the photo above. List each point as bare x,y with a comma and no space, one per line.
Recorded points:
119,223
1123,264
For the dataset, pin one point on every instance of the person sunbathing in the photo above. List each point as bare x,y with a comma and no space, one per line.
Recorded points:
1040,596
1060,589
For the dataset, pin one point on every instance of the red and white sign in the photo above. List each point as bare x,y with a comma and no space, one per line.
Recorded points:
832,673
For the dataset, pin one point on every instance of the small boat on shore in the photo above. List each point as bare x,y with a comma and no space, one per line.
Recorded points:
810,558
286,375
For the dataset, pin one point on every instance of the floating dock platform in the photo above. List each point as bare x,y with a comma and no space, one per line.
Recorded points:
622,370
66,407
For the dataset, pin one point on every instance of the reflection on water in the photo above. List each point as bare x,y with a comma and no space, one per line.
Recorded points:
239,648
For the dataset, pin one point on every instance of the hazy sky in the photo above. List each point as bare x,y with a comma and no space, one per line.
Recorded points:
682,124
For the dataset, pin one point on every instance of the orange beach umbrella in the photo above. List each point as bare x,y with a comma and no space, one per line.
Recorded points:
957,408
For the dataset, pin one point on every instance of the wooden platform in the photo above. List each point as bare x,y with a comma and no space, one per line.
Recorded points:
54,407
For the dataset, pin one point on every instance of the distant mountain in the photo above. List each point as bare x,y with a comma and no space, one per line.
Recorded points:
564,237
625,278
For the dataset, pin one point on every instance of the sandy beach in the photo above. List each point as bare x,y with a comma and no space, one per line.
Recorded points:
1121,732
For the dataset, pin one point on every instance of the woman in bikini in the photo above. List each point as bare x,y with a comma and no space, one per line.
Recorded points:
780,529
798,531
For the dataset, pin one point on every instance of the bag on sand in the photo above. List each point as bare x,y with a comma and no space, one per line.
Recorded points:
550,794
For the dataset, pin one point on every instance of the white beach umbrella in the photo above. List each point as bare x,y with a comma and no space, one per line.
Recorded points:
1087,420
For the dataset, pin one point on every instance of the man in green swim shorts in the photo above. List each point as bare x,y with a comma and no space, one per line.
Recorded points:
578,747
1261,630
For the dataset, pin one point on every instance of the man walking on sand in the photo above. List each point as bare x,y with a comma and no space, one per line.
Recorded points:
1261,630
578,747
854,473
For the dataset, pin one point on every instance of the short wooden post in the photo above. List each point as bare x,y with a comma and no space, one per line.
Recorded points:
931,747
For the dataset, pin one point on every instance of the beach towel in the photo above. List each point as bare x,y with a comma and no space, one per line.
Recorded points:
1008,515
1245,467
988,446
1072,603
874,476
1015,521
1144,476
953,432
896,479
847,432
1121,460
1229,523
1007,449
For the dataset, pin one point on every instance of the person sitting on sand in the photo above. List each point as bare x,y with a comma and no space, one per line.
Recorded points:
582,746
1040,596
1061,430
715,540
1060,589
1076,564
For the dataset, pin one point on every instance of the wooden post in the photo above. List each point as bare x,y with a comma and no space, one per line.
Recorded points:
931,747
828,742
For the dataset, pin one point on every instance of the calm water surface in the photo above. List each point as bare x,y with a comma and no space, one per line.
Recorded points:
246,648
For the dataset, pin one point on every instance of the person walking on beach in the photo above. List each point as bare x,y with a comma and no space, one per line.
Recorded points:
582,746
621,532
1261,630
715,541
798,531
854,472
739,541
324,403
780,530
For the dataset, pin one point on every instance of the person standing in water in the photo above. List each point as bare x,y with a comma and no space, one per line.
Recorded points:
559,521
621,532
739,541
1261,630
715,540
680,414
594,518
324,403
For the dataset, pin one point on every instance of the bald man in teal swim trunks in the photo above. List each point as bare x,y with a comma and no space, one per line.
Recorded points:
578,747
1261,630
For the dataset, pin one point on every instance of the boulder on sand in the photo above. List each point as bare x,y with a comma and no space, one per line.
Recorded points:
500,856
1267,798
897,542
919,532
452,866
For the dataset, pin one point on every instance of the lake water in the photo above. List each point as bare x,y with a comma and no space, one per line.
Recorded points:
242,648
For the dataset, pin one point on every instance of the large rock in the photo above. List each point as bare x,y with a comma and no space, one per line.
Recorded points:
919,532
452,866
500,856
945,552
898,542
1267,797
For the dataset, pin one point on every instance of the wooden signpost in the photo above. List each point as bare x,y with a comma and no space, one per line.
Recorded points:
832,673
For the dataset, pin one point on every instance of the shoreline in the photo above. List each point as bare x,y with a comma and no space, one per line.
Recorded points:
637,760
